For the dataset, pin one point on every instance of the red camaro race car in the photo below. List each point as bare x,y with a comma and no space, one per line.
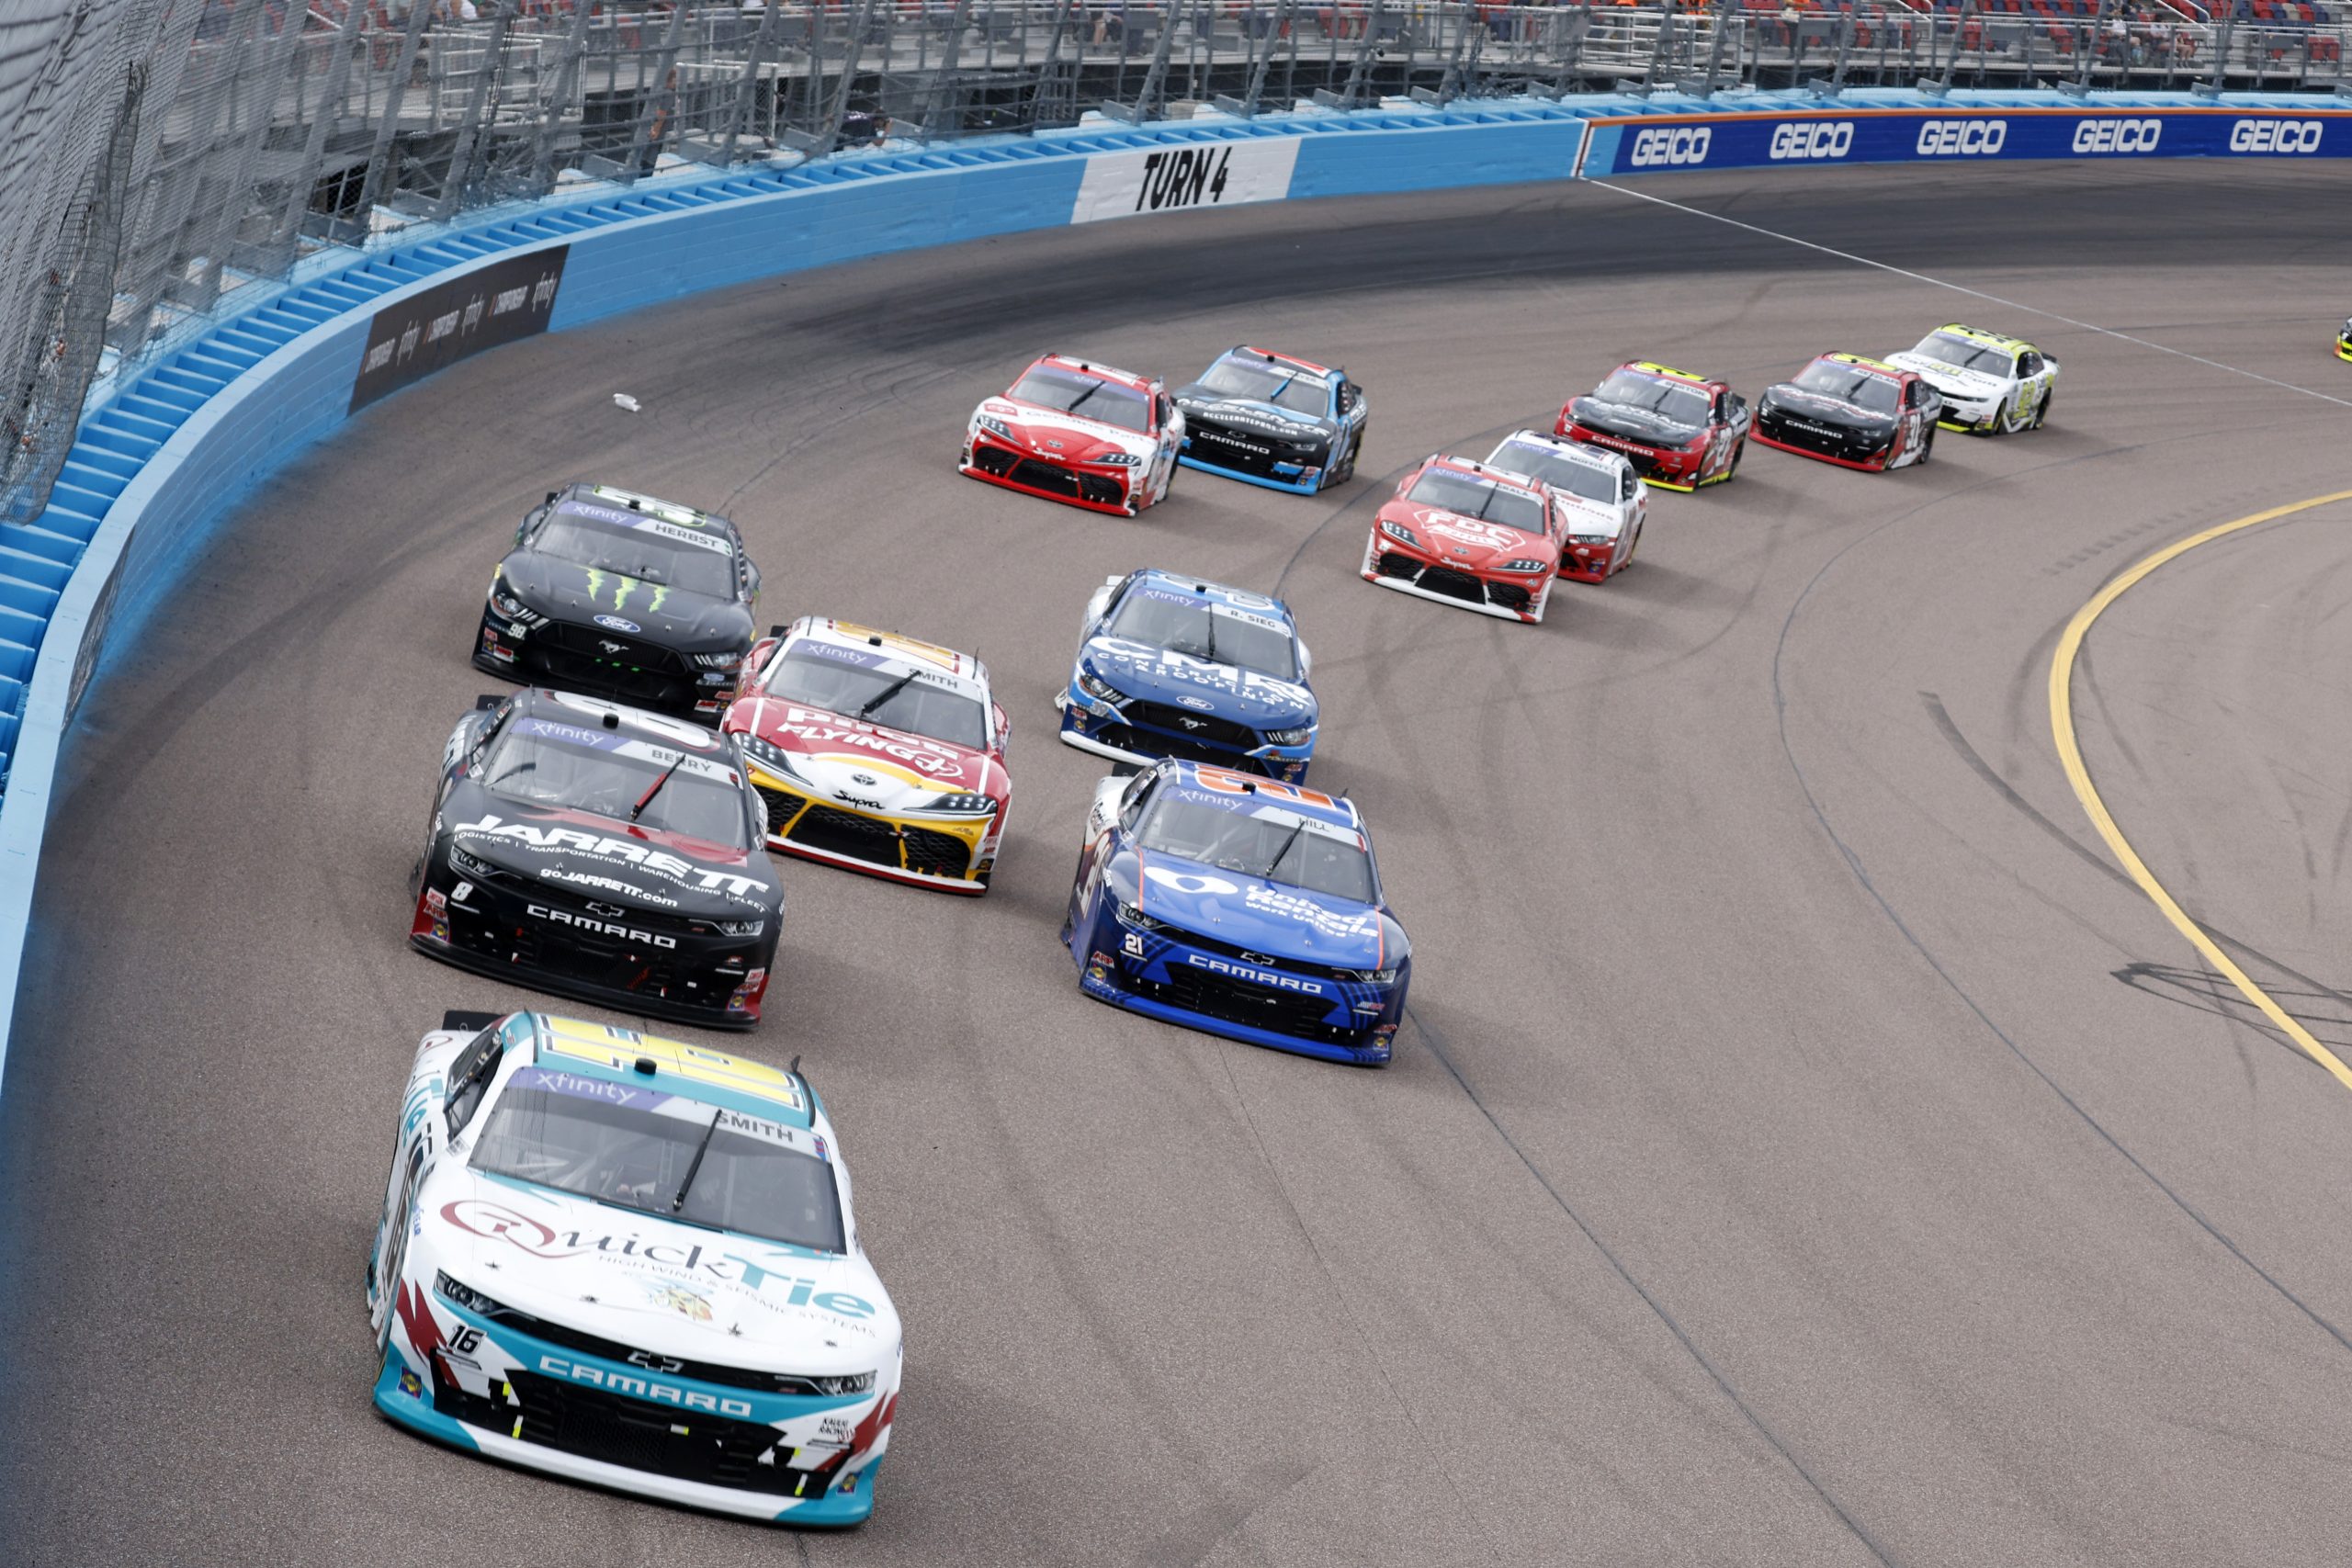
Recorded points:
1087,434
1465,534
1679,430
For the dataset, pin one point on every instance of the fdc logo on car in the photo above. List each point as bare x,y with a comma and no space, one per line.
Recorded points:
1962,138
1682,144
2117,135
1833,138
2275,136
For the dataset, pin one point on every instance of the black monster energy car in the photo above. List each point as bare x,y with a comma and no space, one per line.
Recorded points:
619,595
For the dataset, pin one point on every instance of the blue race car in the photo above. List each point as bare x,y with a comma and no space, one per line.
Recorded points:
1241,906
1171,666
1274,420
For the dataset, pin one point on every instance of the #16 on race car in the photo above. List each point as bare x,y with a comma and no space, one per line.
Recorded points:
1463,534
1602,503
1171,666
1074,432
877,752
1241,906
604,853
1990,384
1274,420
631,1262
1855,412
1678,429
617,595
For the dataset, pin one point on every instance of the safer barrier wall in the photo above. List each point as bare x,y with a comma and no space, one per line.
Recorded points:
166,451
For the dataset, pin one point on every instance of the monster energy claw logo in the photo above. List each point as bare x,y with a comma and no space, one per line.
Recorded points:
625,586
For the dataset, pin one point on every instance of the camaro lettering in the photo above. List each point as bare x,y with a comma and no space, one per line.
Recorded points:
1833,139
1962,138
1255,977
1663,147
607,928
2117,135
635,1387
2289,136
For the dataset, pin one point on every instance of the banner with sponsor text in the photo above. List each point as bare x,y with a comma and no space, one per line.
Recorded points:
1175,179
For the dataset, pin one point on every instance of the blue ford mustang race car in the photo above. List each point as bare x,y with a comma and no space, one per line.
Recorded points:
1171,666
1241,906
1274,420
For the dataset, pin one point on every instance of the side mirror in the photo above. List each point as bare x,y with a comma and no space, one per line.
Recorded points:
751,581
1738,403
1404,484
1306,662
1004,722
1098,602
552,495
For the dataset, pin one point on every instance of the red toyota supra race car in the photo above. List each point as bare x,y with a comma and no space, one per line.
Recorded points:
1077,433
1678,429
1462,533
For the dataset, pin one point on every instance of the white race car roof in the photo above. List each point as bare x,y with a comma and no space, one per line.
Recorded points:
898,654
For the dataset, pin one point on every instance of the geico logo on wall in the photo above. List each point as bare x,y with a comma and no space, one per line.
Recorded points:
1823,139
1663,147
1962,138
2275,136
1172,179
2117,135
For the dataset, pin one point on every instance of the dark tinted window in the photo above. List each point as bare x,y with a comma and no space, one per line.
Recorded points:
916,706
662,556
1467,495
1849,384
1672,399
1090,397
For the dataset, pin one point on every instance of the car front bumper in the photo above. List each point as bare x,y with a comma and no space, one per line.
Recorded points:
1116,491
951,854
1092,726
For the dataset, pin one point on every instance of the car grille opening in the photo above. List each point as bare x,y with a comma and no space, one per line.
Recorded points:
1192,726
1453,584
783,805
1510,596
1229,1000
835,831
1153,743
1031,473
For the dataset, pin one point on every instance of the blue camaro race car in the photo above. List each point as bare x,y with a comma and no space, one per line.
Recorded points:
1241,906
1171,666
1274,420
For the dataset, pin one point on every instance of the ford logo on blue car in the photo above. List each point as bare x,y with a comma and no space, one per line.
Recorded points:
613,623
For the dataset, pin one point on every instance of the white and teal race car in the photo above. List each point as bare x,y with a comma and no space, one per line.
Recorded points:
1990,384
631,1262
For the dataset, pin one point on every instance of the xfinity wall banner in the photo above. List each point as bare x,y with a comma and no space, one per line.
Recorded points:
1168,179
1961,134
509,299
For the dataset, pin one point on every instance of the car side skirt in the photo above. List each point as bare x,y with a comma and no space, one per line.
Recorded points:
1259,479
1877,468
1417,591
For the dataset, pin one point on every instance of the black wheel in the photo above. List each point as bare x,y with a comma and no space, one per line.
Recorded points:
1347,468
1928,447
1737,454
2040,411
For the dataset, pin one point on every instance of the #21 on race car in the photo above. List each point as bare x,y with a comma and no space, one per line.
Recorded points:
1853,412
1680,430
1074,432
1602,503
1274,420
1463,534
1990,384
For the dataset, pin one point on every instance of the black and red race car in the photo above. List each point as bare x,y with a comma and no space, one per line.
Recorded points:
1081,433
1467,533
1855,412
1678,429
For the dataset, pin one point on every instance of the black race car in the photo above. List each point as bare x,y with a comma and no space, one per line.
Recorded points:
1274,420
622,596
1853,412
604,853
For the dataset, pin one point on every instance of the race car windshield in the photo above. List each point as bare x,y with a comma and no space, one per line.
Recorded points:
1467,496
1089,397
533,762
1669,400
638,553
1160,619
819,676
1589,480
661,1154
1276,846
1285,387
1849,384
1963,355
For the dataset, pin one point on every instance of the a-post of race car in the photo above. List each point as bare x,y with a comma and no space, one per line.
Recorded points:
1239,906
2343,341
615,595
633,1263
1601,502
1467,535
1853,412
877,752
604,853
1171,666
1274,420
1678,429
1990,384
1081,433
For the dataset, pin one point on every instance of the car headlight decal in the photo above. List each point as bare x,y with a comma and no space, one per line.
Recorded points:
1289,737
1100,690
1399,531
1524,566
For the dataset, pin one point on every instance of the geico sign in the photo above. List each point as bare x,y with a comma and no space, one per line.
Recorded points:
2275,136
2117,135
1832,138
1681,145
1962,138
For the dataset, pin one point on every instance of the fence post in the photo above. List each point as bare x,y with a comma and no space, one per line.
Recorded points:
567,81
832,137
461,156
655,108
1153,97
240,184
1351,95
747,96
371,188
940,86
306,177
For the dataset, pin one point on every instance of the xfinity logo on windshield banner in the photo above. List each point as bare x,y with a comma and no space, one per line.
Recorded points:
1169,179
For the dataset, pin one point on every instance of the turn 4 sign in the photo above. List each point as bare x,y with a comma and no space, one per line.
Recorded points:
1177,177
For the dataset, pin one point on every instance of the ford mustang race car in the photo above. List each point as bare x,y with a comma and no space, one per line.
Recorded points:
877,752
1463,534
1989,383
1171,666
1601,502
1856,412
604,853
1241,906
616,595
631,1262
1274,421
2343,342
1679,430
1084,434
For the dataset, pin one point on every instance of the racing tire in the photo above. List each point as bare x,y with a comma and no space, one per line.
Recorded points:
1737,454
2040,411
1927,447
1347,468
1635,547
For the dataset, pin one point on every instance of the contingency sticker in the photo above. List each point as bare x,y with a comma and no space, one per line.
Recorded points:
1214,174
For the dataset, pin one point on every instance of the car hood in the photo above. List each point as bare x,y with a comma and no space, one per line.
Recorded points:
1588,517
1164,675
693,623
1951,378
1634,423
1248,413
1469,541
673,1290
1788,398
1060,436
884,768
1269,918
584,855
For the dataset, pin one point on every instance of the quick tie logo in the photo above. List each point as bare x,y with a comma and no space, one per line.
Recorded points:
1832,138
2288,136
2117,135
1962,138
1679,146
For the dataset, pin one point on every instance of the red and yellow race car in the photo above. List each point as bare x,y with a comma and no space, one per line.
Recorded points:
1678,429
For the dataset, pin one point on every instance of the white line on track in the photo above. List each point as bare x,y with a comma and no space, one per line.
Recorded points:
1971,293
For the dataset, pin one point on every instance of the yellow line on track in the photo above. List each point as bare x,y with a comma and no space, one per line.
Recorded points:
2070,757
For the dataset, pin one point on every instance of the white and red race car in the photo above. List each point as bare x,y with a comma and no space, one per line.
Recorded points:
1079,432
1600,499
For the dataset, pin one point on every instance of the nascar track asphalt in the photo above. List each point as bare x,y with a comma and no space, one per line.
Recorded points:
1810,1150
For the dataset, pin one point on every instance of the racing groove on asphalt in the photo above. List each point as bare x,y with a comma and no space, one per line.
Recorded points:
1810,1151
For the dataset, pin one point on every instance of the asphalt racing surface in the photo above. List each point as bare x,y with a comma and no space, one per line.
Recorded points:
1809,1149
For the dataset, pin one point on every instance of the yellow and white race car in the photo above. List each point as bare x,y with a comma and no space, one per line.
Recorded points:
2343,342
1990,384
